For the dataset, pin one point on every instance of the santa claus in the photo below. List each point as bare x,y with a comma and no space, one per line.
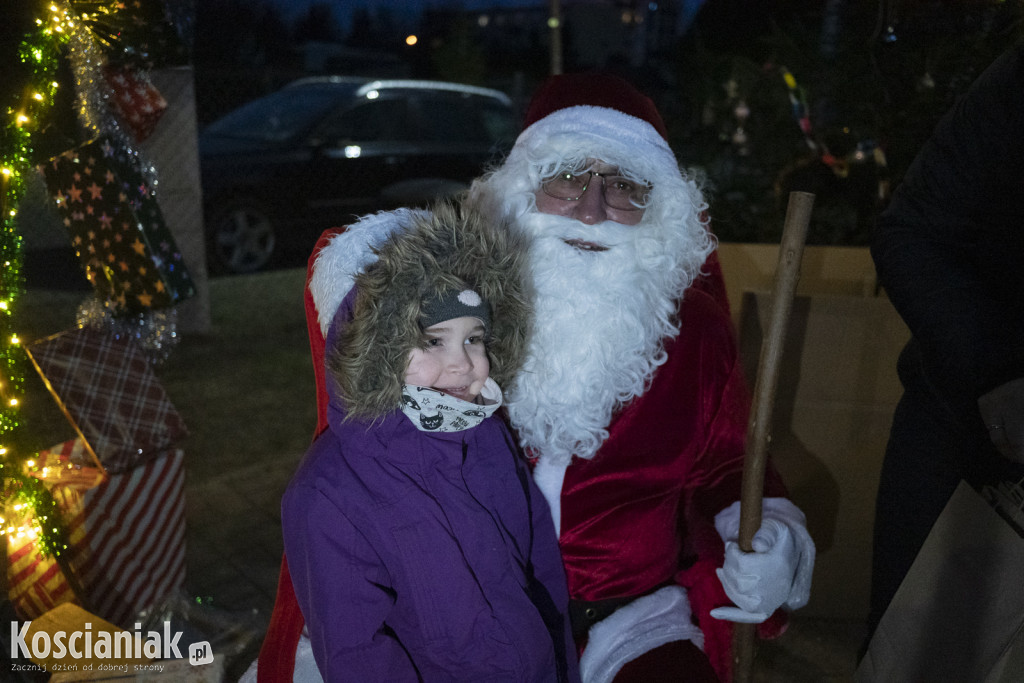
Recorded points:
631,402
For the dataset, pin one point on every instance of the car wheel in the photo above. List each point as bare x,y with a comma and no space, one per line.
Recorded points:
241,239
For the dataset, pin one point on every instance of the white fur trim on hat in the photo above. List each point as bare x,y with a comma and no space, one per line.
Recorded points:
346,254
608,134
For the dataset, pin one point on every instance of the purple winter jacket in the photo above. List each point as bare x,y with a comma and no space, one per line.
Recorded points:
426,556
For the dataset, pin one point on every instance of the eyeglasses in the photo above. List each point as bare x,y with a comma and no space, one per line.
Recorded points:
619,192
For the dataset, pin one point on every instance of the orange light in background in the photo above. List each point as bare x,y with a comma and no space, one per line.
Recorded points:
411,40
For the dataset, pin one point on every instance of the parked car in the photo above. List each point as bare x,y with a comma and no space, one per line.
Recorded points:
320,151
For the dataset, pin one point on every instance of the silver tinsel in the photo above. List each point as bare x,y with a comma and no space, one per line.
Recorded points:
155,332
95,112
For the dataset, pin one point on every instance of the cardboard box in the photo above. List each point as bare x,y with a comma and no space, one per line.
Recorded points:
68,619
836,394
842,271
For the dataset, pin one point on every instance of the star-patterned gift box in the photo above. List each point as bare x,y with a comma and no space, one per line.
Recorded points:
136,101
117,228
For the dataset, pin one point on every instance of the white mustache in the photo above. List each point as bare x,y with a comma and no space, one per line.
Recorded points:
608,233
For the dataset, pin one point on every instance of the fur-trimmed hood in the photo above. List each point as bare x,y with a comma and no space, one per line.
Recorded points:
450,248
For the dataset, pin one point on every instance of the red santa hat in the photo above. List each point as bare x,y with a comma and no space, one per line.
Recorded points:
594,90
600,116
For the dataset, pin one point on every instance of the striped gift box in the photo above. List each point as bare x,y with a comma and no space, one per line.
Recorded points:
127,541
133,551
35,581
110,393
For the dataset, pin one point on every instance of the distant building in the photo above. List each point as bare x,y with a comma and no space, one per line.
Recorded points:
595,34
335,58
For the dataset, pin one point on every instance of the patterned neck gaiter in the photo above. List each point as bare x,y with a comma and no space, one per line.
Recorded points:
435,411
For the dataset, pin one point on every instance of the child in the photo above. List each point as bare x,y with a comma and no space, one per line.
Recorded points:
418,545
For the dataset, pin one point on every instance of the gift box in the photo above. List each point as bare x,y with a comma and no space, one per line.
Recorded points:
135,100
131,552
111,395
126,533
69,619
117,228
36,581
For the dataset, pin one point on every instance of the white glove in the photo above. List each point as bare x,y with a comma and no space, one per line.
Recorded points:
778,571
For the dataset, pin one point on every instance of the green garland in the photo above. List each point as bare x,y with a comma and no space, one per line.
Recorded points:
27,108
22,491
25,112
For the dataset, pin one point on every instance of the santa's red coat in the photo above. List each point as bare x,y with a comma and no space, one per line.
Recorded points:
640,513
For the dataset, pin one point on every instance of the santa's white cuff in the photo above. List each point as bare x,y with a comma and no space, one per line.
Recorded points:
641,626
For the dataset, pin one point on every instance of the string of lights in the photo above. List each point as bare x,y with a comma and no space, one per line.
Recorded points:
59,29
30,508
38,54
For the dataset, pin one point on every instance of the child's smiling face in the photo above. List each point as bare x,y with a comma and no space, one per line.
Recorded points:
453,359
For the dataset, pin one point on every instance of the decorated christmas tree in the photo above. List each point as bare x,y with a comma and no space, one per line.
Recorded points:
834,98
98,519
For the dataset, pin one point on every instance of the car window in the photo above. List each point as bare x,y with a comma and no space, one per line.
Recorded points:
499,121
448,118
465,118
377,120
278,116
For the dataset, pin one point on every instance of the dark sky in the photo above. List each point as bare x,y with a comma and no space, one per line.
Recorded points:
401,10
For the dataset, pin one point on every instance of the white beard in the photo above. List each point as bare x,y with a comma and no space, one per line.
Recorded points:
601,318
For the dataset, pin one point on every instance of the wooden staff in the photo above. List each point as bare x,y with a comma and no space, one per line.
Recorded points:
787,274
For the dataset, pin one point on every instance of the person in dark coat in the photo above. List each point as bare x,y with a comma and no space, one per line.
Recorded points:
949,251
